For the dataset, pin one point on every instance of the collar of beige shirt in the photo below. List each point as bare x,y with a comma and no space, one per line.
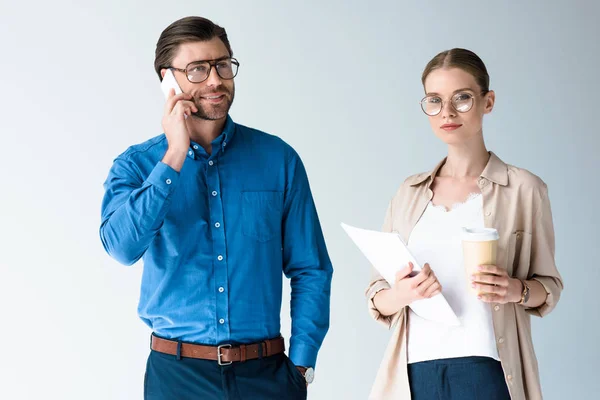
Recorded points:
495,171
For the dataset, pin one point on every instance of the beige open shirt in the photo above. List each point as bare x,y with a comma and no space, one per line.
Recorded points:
515,202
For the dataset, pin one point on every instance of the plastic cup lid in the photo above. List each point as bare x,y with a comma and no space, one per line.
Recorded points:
479,234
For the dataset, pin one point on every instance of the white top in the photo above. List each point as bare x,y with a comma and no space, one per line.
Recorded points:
436,239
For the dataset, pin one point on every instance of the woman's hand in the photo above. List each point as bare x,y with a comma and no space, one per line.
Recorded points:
495,286
407,289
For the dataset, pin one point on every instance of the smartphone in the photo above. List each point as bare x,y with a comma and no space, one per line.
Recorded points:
169,83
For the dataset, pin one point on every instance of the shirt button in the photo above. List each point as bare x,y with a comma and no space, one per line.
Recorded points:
482,182
168,181
217,225
191,153
195,147
221,321
220,258
518,236
501,340
487,214
509,377
214,193
211,163
224,143
221,289
497,308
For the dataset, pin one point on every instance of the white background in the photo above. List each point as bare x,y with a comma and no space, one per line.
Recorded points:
339,81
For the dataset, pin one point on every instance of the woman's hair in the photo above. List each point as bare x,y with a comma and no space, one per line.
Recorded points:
463,59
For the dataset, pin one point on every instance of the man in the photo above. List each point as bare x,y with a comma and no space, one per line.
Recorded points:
217,211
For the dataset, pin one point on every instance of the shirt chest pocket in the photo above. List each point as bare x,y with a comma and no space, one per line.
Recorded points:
261,214
519,254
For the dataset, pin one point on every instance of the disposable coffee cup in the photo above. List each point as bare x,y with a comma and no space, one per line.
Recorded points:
480,246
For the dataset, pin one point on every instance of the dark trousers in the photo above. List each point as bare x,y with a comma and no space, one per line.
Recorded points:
465,378
275,377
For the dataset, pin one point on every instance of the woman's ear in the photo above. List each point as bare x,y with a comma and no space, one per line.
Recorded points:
490,99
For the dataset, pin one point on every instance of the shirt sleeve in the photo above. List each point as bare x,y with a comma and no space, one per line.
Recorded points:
134,209
306,263
378,283
542,266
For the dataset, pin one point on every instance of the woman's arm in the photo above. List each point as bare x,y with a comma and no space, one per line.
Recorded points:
545,282
537,294
542,268
497,287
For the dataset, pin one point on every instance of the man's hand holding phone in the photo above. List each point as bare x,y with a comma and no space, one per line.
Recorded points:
177,108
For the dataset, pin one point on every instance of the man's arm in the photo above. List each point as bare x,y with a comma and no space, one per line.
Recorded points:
307,264
133,209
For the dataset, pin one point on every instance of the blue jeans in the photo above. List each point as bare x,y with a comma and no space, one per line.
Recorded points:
275,377
465,378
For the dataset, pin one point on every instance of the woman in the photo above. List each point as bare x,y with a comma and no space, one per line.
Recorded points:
490,355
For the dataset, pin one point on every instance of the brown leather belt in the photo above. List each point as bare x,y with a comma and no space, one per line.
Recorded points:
224,354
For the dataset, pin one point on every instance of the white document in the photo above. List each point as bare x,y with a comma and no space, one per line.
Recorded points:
388,254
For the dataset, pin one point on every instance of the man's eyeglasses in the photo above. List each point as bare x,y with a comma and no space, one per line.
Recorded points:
199,71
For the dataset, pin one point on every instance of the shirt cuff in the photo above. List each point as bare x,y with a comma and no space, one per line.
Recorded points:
376,288
164,178
303,355
553,294
388,321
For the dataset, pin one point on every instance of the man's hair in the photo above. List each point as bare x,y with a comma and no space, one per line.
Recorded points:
186,30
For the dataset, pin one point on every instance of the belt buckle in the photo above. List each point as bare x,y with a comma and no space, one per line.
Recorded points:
219,355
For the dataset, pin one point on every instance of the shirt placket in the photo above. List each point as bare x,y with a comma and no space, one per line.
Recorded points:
498,311
219,251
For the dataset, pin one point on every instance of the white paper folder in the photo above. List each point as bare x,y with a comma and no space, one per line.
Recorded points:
388,254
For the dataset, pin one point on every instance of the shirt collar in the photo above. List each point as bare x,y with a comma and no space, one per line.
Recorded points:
495,171
219,144
226,136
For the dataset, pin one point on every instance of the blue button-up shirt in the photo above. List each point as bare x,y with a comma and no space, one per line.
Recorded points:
216,237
